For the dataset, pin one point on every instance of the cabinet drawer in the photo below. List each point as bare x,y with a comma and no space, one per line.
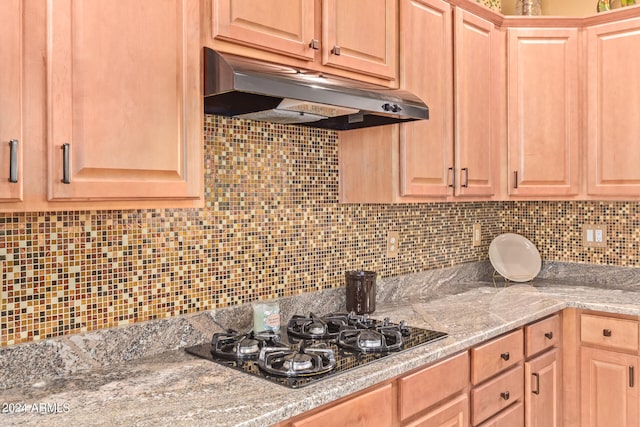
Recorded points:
609,332
371,409
454,413
541,335
496,355
510,417
429,386
496,394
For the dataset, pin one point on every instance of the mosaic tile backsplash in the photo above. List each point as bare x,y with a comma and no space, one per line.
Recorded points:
271,226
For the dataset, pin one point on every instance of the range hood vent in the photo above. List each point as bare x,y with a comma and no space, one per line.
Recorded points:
247,88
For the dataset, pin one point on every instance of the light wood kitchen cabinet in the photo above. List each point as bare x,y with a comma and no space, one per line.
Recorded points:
355,38
609,388
608,365
496,355
124,113
613,110
543,373
11,138
478,100
543,109
510,417
543,390
426,147
497,378
492,396
371,409
426,389
455,154
454,413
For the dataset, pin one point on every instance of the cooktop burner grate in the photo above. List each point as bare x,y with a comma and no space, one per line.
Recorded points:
316,366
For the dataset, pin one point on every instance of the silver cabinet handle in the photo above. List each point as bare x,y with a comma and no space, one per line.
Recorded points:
453,177
314,44
13,160
466,177
66,149
537,377
336,50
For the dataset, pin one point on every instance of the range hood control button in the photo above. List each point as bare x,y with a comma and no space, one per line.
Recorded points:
393,108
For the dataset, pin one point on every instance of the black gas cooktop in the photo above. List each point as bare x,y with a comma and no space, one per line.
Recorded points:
312,347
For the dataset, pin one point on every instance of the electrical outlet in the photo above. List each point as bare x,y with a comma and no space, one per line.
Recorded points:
594,236
393,243
476,239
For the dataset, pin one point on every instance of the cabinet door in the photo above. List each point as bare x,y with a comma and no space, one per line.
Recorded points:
125,104
542,390
477,102
282,26
609,388
361,35
454,413
371,409
11,100
543,110
426,147
613,109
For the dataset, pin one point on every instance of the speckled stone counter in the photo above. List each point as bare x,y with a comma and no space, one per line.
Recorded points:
173,388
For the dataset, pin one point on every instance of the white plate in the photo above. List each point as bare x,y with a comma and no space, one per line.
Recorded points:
514,257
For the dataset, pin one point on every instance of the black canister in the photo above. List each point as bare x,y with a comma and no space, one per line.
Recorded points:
361,291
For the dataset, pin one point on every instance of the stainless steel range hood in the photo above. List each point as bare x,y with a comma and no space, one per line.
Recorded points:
246,88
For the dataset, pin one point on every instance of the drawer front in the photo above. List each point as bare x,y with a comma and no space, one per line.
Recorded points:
496,355
372,409
541,335
454,413
510,417
495,395
429,386
609,332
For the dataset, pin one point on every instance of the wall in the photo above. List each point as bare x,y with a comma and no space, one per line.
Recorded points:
271,227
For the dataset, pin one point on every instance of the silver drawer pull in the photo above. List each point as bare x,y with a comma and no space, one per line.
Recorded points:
66,148
13,160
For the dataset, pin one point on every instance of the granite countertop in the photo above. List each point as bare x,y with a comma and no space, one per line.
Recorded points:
174,388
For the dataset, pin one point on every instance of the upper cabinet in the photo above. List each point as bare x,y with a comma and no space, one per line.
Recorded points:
478,104
543,111
124,114
11,182
283,26
455,154
613,109
426,146
361,35
353,38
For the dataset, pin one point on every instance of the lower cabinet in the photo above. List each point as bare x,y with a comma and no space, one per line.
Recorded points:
454,413
609,388
371,409
510,417
542,390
